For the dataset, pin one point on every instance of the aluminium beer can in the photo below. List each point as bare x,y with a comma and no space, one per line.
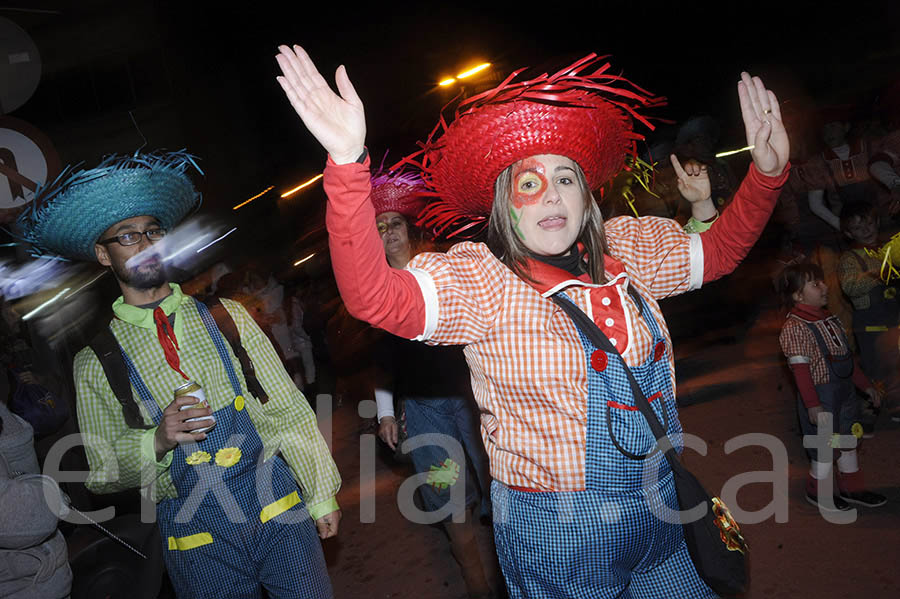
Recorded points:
195,390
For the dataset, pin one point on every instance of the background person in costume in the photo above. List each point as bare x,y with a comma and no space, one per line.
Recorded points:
876,310
567,447
433,384
210,487
827,375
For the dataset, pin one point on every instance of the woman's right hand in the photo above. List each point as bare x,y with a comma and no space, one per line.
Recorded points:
388,431
337,122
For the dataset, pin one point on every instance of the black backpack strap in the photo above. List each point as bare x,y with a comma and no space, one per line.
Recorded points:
109,353
229,329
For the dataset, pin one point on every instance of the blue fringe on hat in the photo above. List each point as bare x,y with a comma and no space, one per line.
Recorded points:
69,214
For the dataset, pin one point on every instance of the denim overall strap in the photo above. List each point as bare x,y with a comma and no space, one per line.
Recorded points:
832,360
141,388
618,439
216,336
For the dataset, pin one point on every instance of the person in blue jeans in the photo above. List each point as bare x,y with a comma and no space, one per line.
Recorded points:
433,385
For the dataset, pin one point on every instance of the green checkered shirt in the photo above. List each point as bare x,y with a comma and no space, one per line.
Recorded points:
122,458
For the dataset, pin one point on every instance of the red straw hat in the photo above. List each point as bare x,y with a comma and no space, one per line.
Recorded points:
399,192
586,117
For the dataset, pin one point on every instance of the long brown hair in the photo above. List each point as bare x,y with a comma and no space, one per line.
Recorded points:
508,247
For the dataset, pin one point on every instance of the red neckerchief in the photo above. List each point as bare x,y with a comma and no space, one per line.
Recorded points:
547,277
807,312
811,313
167,340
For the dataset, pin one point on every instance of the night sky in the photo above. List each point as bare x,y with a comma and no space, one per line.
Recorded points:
230,110
395,54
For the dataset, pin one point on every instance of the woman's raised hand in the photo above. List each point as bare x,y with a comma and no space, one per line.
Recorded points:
762,122
338,122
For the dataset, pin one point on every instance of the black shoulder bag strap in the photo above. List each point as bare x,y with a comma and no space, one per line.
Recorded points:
229,329
109,353
600,340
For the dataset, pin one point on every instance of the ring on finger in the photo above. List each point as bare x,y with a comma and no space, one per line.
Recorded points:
767,111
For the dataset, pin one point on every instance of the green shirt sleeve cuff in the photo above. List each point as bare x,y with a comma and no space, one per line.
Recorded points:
323,508
697,226
148,450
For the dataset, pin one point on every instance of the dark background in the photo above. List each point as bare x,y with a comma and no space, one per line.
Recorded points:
201,75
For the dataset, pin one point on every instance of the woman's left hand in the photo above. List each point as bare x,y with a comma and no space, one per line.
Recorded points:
762,122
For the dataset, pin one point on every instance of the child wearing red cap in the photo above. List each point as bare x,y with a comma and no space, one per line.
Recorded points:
567,446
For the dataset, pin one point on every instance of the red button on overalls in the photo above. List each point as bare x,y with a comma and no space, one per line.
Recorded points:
599,360
659,351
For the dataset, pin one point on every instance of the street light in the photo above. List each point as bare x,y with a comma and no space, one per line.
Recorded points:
464,74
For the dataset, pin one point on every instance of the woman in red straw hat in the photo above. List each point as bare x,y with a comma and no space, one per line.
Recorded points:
433,384
574,511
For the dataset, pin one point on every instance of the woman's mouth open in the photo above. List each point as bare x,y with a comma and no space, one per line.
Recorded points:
552,223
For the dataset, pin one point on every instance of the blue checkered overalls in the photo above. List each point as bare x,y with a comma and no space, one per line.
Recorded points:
235,528
604,541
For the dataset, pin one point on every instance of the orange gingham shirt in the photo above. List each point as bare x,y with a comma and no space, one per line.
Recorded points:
526,360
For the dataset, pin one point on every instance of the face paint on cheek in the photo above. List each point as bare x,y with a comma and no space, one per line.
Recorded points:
515,219
530,182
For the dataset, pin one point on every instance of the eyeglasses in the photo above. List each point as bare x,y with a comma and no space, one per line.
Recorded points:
134,237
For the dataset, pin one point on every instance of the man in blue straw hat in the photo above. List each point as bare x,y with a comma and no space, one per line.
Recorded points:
233,514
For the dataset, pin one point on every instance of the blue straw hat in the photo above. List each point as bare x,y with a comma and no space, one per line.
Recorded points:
68,215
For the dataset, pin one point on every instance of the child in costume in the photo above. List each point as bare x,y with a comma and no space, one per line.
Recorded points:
567,447
876,308
433,384
827,375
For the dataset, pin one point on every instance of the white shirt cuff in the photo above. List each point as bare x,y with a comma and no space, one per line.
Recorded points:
696,258
384,401
429,293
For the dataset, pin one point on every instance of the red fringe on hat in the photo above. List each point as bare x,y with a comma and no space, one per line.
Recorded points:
403,192
586,116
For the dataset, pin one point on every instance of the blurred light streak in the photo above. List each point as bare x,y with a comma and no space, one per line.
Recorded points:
730,152
301,186
80,315
447,82
17,281
299,262
473,70
185,248
91,282
217,240
247,201
45,304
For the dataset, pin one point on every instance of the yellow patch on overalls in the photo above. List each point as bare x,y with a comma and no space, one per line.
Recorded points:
190,542
279,507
